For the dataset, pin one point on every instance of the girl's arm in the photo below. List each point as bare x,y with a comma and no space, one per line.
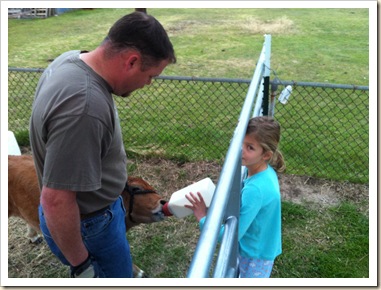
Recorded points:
199,210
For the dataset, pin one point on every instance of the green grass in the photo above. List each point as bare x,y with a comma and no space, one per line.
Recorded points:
316,245
307,44
165,253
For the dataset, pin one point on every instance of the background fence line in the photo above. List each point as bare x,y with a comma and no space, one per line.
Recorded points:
325,127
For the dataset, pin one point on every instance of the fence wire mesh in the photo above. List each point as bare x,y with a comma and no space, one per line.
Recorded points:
325,128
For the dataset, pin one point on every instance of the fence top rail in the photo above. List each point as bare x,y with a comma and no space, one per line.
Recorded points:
26,69
200,79
322,85
230,80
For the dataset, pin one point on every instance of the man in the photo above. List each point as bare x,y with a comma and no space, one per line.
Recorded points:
78,147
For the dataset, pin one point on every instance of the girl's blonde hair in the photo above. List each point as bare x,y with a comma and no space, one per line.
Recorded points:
266,132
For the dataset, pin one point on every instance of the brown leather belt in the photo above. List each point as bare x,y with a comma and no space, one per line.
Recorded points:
94,213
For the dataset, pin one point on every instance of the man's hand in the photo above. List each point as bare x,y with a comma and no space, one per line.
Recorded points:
87,269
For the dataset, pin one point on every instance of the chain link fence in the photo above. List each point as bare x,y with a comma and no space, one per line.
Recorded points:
325,127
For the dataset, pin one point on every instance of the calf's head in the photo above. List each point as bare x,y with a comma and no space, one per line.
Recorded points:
142,202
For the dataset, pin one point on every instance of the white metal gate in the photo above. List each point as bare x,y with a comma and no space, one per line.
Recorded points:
225,205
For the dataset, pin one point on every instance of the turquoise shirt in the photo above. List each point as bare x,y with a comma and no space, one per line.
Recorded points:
260,229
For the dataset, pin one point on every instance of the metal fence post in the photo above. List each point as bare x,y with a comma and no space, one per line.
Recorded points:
228,189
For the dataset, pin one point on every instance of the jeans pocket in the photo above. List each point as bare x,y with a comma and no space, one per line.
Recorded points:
95,226
122,203
43,226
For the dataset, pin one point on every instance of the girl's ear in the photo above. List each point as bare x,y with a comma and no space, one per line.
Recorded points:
267,155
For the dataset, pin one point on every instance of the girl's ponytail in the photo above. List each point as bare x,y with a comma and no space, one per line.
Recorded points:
277,161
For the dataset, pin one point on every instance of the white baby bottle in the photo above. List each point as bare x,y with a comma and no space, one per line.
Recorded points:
175,205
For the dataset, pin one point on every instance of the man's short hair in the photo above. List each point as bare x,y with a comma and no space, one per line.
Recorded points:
143,33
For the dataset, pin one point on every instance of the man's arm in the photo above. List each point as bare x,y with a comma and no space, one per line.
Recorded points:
63,220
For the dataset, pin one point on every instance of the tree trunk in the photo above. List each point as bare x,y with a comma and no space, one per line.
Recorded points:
144,10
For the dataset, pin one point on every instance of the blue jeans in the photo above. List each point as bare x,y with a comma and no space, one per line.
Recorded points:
104,236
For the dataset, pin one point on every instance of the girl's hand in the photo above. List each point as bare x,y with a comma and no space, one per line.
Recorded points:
198,205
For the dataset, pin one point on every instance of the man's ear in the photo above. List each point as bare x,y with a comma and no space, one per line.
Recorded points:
131,59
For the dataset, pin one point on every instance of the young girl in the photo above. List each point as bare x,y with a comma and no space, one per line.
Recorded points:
259,232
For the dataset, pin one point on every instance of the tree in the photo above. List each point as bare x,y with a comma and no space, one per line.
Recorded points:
144,10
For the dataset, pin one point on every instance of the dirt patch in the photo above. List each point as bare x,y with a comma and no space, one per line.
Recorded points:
281,25
320,192
168,176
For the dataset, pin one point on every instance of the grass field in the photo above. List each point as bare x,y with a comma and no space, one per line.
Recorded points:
308,45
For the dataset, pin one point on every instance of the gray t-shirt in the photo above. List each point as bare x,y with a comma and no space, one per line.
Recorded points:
75,134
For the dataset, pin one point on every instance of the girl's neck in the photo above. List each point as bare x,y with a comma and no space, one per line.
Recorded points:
256,169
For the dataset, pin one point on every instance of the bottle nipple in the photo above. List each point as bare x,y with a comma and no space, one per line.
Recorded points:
166,210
